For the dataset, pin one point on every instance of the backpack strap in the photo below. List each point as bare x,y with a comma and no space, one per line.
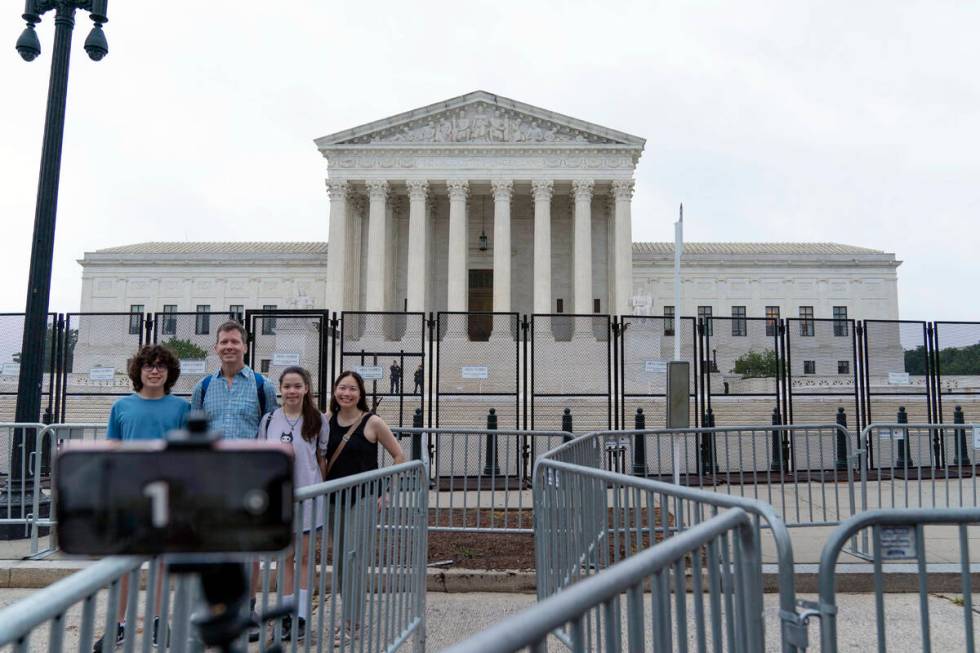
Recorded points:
260,390
205,382
264,424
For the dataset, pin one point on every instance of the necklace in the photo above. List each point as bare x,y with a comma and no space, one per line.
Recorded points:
288,437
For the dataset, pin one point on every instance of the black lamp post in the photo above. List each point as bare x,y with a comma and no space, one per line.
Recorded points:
42,244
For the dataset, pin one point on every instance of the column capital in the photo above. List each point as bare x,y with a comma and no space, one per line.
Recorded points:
418,189
458,189
378,189
542,189
582,189
622,189
503,189
338,190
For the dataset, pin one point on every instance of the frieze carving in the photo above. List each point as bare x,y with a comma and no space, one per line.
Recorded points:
500,161
480,123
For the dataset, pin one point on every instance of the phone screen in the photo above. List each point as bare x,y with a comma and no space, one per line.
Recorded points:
150,500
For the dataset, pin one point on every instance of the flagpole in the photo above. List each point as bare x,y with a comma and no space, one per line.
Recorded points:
678,251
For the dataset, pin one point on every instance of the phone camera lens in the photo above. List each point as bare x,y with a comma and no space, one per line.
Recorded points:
256,502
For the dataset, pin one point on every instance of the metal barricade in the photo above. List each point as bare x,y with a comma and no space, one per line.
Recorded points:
807,472
919,465
480,479
588,518
370,530
722,556
896,534
69,609
20,476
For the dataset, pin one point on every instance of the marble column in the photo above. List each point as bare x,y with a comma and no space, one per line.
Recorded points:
457,280
337,245
418,232
353,278
623,192
542,189
377,263
582,254
503,189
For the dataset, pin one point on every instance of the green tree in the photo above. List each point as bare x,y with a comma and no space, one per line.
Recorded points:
756,364
952,360
71,339
185,349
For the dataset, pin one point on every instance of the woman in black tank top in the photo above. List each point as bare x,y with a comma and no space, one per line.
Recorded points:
349,410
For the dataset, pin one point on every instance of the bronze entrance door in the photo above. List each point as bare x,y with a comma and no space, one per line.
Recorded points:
480,300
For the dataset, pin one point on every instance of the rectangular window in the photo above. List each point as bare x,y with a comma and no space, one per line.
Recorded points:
135,318
739,325
668,320
596,308
264,366
705,313
840,321
268,323
843,367
236,311
169,325
559,305
806,321
809,367
202,321
772,320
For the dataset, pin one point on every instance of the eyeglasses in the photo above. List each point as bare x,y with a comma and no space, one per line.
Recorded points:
149,367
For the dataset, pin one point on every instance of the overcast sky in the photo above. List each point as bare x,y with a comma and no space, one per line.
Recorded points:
856,123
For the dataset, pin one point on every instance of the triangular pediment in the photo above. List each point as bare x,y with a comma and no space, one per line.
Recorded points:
479,118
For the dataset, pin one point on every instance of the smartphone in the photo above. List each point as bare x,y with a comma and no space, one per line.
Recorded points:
149,498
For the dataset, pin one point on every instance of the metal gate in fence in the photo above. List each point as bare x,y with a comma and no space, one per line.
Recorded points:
956,363
821,371
94,368
741,370
645,345
476,374
385,348
191,336
278,339
571,361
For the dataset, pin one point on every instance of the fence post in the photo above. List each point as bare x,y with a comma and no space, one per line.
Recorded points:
491,468
566,425
417,437
841,440
640,444
904,458
708,463
779,447
962,459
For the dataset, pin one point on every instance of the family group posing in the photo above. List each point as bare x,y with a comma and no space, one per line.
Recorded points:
241,404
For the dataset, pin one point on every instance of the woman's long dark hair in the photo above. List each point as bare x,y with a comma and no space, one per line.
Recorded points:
361,401
312,418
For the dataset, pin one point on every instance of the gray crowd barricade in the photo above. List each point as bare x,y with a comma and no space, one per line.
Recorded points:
20,473
722,556
896,535
807,472
588,518
480,479
365,540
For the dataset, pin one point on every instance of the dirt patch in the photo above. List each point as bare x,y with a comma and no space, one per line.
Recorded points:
500,551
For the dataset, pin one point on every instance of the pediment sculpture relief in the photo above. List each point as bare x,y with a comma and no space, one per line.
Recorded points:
480,123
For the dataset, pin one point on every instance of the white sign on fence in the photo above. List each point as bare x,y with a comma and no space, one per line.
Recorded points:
285,359
892,434
370,372
11,369
976,437
101,374
656,367
899,378
897,542
474,372
193,366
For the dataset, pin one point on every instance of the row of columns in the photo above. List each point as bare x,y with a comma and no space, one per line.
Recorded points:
338,267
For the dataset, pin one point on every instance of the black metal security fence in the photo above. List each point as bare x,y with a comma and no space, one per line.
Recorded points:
550,371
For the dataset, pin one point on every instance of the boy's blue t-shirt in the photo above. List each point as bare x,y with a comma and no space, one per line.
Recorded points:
136,418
